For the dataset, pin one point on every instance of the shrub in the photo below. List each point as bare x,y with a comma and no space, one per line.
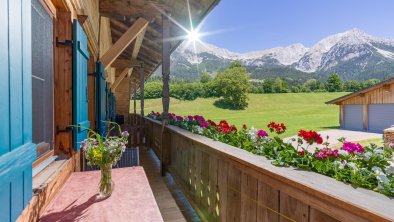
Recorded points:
186,91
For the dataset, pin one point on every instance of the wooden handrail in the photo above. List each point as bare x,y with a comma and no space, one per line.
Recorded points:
301,194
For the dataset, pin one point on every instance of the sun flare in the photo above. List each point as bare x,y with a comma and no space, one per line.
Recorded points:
193,36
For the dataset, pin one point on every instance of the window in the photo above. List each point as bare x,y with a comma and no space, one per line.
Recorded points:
42,78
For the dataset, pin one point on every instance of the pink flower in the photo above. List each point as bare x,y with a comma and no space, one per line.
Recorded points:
204,125
179,118
391,145
190,118
352,147
262,133
326,152
199,118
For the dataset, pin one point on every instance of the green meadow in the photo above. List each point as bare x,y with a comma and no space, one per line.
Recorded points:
296,110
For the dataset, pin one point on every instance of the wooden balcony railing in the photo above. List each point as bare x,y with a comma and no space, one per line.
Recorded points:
224,183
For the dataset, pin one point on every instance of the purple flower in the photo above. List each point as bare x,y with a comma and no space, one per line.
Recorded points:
179,118
262,133
204,125
352,147
319,155
125,134
190,118
199,118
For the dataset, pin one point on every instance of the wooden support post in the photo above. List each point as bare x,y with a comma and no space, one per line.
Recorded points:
130,35
142,85
341,116
166,88
134,119
142,88
135,97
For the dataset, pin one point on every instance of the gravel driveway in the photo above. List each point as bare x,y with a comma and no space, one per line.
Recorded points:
335,134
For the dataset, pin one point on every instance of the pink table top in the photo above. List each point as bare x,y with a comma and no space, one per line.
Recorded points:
131,200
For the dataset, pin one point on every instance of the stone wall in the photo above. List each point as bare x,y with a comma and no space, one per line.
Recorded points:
389,135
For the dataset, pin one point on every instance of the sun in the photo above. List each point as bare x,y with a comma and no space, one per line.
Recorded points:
193,36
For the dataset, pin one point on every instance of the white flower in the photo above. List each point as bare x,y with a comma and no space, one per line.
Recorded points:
390,169
377,170
252,133
340,164
200,130
378,151
352,165
343,152
382,178
367,156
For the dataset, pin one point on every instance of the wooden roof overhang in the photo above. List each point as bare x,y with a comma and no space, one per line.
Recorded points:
124,14
361,92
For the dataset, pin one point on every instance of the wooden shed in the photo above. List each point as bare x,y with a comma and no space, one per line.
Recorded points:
370,109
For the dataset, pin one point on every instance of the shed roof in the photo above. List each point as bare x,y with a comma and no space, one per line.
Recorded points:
364,90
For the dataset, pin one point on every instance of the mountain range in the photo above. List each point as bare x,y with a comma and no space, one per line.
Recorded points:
354,55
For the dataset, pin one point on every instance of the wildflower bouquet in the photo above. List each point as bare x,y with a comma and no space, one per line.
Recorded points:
370,167
105,152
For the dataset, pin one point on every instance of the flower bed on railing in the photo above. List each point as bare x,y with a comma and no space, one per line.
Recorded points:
370,167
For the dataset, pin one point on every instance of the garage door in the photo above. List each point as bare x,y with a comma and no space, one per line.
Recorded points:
353,118
381,116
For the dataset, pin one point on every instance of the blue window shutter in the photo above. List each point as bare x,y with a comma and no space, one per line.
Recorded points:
17,152
101,99
80,84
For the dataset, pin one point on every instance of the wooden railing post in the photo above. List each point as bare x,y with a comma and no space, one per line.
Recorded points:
142,88
166,77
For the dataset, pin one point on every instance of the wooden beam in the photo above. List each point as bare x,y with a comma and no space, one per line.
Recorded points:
125,63
123,74
130,35
137,47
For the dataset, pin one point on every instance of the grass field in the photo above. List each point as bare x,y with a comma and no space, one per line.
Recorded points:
297,111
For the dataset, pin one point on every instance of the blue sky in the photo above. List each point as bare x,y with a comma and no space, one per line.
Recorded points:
261,24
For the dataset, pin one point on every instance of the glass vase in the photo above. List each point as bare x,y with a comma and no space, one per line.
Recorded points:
106,185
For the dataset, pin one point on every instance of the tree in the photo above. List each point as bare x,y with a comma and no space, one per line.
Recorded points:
352,86
312,84
268,86
205,77
236,64
370,82
278,85
334,83
233,86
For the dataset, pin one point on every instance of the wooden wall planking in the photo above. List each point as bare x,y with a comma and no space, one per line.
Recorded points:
384,94
92,92
63,85
239,191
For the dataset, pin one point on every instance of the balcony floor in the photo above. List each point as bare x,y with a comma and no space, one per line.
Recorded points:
172,203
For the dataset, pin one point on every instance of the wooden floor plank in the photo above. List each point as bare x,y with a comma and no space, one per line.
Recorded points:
172,203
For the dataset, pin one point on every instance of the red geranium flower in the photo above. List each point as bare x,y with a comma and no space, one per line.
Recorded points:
310,137
225,128
278,128
212,123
